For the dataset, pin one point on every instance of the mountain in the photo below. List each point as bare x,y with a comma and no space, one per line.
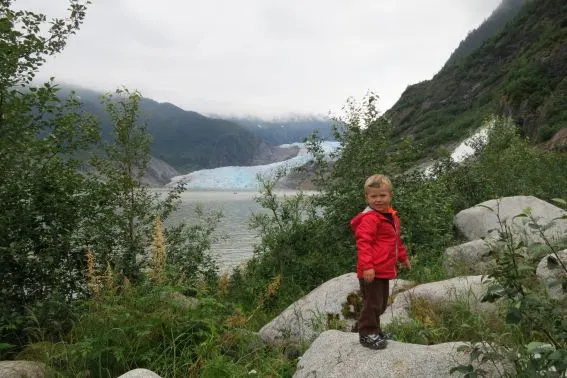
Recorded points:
185,140
489,28
287,130
519,71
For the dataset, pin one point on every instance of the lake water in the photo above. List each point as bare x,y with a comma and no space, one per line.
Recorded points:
236,208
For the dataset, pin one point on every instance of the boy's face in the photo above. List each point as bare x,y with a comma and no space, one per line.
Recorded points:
379,198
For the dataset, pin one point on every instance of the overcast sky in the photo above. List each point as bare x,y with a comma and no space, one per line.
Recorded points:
261,57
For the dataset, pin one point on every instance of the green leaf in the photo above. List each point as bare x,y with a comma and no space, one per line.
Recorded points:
523,268
534,226
493,293
560,201
487,207
6,346
462,369
539,347
514,316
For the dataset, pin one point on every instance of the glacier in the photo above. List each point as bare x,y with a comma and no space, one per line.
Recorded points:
245,177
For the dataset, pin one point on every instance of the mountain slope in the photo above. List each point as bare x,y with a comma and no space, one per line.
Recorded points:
520,72
489,28
186,140
287,130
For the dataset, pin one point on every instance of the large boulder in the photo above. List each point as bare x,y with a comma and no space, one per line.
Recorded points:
481,223
469,258
307,317
139,373
21,369
336,354
478,221
468,288
552,273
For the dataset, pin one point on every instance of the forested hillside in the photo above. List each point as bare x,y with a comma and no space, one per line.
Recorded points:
489,28
520,72
186,140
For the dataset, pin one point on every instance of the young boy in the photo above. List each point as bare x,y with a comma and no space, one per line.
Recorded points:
379,248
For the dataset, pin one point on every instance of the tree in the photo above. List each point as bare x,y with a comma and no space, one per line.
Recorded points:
40,187
119,229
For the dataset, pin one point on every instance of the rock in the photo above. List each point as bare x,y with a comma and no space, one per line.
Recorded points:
558,142
469,258
550,271
21,369
468,287
158,173
478,221
139,373
480,225
307,317
339,354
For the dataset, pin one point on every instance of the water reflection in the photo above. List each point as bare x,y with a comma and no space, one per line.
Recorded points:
236,208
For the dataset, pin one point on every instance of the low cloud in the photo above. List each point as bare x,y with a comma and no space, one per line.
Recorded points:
261,57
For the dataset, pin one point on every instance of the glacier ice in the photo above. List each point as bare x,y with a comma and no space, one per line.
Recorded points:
245,177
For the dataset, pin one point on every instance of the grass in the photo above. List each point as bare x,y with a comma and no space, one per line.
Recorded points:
440,322
139,328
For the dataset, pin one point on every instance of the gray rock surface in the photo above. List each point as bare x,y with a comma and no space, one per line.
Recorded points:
159,173
469,258
336,354
139,373
306,318
468,288
476,222
21,369
551,273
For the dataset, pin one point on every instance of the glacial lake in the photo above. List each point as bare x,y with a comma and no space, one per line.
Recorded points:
236,206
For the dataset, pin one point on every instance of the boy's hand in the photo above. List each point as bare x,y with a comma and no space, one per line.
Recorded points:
406,264
368,275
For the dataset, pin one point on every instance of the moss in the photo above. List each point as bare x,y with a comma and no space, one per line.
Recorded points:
351,308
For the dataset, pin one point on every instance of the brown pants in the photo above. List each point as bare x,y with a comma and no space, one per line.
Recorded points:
374,302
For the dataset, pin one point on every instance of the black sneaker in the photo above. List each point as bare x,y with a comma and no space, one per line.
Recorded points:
373,341
386,335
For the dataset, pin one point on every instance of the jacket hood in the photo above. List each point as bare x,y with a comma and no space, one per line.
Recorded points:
368,211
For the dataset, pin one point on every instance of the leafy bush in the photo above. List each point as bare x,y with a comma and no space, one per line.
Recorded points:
540,322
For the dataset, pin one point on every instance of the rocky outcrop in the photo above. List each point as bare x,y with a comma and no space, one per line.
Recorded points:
471,258
307,317
468,288
140,373
336,354
21,369
268,154
481,223
159,173
551,272
558,142
478,221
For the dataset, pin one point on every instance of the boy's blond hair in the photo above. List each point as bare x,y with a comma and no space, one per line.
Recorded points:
377,181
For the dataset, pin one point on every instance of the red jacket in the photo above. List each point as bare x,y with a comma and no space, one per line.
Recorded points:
378,243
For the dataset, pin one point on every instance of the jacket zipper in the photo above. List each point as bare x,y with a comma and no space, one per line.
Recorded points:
396,241
396,237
